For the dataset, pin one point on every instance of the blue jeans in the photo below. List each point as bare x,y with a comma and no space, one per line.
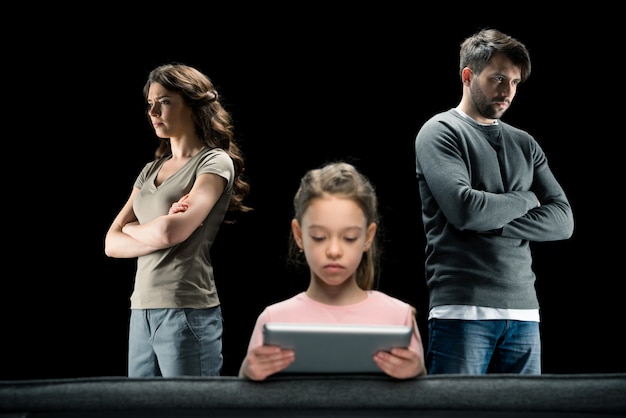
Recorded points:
483,346
175,342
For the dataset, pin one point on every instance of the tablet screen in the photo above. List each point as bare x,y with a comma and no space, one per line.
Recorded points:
335,348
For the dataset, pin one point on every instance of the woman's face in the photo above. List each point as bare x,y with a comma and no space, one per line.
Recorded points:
168,112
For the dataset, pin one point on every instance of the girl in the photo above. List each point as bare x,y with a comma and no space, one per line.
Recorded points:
336,214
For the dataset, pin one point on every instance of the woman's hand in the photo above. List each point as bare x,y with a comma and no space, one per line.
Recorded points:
180,206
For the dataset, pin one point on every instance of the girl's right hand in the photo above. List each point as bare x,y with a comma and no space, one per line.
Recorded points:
265,360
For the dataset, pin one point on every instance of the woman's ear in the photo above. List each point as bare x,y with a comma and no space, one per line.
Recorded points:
297,232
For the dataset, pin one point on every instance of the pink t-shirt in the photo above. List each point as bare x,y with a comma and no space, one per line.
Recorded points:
377,309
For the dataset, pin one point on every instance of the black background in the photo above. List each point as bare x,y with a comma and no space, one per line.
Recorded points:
305,85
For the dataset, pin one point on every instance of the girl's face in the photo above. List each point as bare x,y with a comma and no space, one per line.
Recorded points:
333,235
169,114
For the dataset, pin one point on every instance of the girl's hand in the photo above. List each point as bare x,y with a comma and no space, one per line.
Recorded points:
401,363
265,360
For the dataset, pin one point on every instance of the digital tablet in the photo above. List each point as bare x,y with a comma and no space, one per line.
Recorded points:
335,348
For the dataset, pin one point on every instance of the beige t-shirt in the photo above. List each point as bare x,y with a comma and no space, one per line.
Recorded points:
180,276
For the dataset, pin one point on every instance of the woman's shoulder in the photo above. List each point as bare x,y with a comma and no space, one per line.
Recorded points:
215,160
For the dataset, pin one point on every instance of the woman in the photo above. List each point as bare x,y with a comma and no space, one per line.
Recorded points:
170,221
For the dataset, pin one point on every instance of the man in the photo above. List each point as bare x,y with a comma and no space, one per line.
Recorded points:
487,192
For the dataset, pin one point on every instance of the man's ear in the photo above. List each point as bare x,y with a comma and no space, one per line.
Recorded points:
466,75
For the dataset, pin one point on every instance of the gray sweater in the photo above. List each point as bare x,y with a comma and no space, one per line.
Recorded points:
480,189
